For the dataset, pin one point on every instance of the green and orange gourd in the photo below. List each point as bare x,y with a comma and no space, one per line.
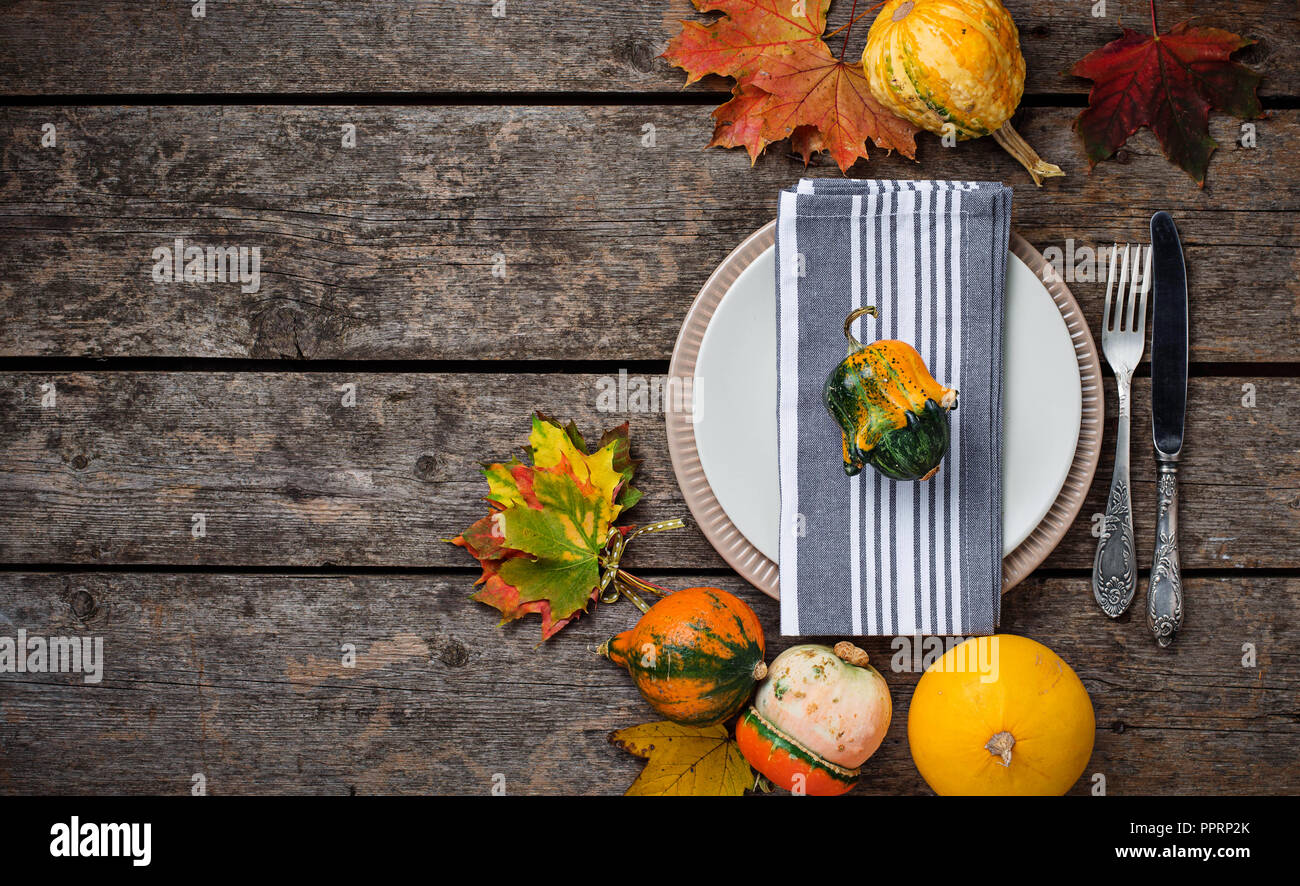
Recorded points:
695,655
892,414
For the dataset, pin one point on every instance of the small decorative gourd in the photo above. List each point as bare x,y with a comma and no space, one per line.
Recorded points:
952,67
695,655
819,715
893,414
1000,715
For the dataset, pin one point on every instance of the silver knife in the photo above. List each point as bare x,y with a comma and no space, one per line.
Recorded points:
1168,407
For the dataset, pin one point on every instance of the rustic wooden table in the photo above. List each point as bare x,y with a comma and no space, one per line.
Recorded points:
502,236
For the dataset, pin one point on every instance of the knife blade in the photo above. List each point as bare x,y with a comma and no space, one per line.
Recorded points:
1168,411
1168,336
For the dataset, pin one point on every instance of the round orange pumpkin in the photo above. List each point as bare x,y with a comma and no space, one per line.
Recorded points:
1001,715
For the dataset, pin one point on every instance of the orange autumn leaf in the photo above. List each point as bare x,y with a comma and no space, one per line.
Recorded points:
788,82
815,89
750,35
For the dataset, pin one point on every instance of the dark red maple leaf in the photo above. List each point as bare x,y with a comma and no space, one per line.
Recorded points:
1168,82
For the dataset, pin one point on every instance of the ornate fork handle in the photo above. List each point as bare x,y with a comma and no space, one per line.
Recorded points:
1114,571
1165,594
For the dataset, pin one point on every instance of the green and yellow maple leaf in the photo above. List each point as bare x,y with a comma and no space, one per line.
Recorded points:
694,761
564,538
617,441
540,547
503,484
553,448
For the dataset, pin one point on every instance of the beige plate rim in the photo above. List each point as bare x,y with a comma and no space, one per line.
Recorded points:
761,572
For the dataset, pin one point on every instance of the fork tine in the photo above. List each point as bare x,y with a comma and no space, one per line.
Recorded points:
1110,285
1131,298
1134,287
1146,287
1119,291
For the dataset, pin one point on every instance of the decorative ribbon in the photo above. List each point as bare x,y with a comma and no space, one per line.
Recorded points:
616,582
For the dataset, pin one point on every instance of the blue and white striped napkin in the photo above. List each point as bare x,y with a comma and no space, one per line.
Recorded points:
867,555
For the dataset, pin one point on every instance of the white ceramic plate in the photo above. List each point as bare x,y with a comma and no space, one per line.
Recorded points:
735,404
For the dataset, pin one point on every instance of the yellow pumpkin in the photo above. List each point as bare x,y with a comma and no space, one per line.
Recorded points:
952,66
1001,715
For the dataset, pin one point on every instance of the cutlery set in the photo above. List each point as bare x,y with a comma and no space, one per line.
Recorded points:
1114,571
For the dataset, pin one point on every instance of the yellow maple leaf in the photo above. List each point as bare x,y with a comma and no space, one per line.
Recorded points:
552,446
503,488
685,761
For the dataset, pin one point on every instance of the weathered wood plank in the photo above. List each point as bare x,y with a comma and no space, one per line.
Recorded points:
287,476
388,250
239,678
1238,492
312,46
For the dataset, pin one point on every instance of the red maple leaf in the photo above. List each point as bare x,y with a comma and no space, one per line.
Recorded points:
1168,82
788,83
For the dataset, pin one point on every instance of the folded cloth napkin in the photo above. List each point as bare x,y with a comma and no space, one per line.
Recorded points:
866,555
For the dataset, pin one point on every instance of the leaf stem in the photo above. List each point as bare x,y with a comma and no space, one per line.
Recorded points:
849,28
851,22
641,584
1155,30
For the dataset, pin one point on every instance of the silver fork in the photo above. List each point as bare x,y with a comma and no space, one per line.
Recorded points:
1123,336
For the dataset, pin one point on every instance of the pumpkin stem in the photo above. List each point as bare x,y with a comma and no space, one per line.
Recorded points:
854,344
1017,147
613,649
760,670
847,652
1000,745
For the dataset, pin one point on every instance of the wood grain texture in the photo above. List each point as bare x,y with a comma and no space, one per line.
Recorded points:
287,476
240,678
433,46
388,249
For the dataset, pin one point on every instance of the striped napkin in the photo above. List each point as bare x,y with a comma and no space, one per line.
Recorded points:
866,555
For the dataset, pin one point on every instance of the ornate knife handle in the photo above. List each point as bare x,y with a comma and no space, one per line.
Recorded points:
1165,594
1114,571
